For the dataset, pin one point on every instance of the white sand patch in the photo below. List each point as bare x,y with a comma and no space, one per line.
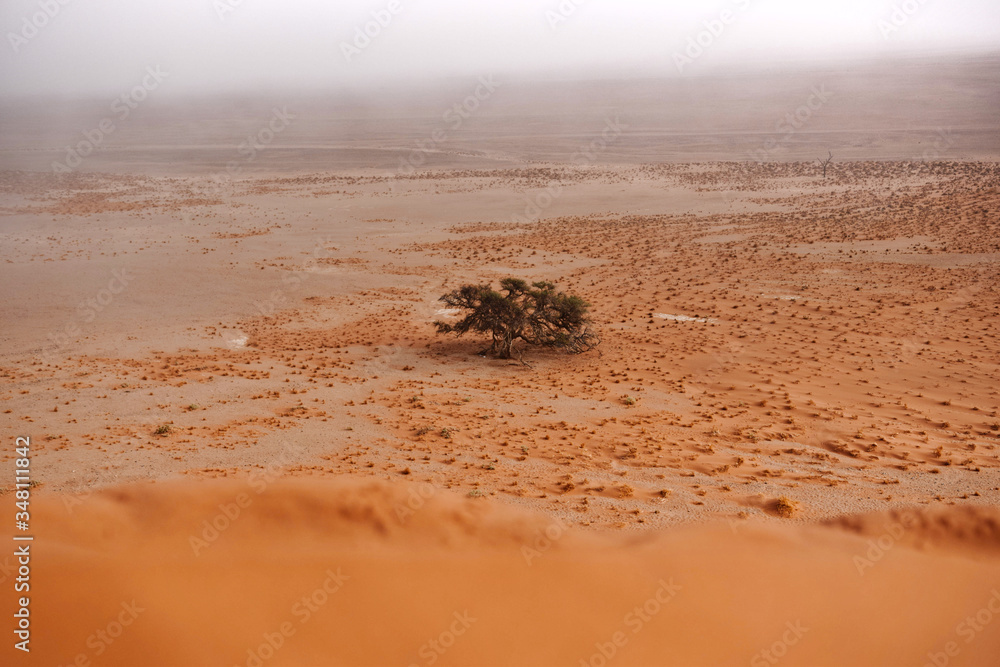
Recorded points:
237,343
684,318
449,312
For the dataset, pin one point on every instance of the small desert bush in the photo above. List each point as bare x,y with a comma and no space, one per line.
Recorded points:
785,507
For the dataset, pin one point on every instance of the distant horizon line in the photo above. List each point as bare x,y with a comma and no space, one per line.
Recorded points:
555,75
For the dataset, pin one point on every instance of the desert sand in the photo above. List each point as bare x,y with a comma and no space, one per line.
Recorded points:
251,447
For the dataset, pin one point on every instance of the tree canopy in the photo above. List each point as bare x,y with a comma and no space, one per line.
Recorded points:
536,314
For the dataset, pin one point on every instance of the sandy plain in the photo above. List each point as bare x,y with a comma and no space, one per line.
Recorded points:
785,449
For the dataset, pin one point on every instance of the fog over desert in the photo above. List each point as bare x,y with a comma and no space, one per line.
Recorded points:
236,430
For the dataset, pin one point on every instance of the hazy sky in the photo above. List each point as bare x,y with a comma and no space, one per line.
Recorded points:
105,46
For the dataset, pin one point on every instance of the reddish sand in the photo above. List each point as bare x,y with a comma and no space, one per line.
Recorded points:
397,575
789,432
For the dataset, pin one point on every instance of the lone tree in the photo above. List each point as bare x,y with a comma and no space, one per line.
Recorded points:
825,163
536,314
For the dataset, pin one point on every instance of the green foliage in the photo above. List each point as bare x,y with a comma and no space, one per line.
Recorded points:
536,314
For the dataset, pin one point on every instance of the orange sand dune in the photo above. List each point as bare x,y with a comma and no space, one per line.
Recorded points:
303,572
